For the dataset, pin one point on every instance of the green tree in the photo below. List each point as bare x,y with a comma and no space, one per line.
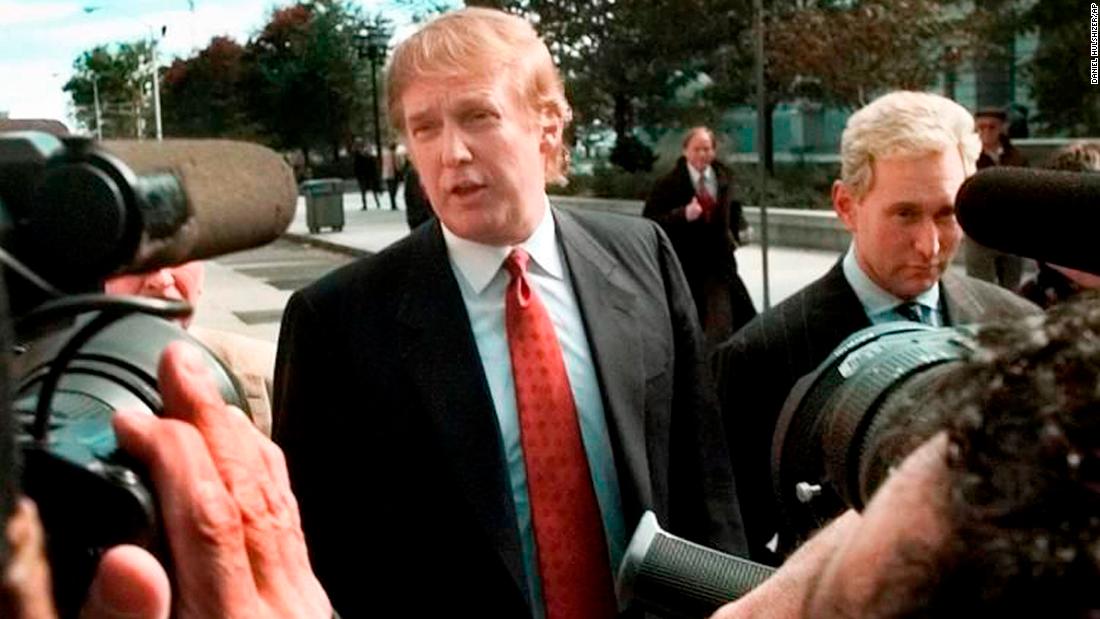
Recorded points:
1059,73
202,95
845,54
307,85
628,64
121,75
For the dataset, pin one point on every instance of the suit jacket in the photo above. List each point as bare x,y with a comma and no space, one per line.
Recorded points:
705,247
393,444
757,367
252,362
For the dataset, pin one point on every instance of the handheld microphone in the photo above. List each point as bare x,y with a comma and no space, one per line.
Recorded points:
1051,216
79,211
671,576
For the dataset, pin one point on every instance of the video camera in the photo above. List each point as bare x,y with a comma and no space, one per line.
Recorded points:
859,414
72,213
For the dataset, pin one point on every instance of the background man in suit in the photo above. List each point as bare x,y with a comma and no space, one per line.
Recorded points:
436,380
696,207
903,158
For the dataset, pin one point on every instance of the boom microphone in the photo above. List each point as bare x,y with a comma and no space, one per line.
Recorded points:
241,195
79,211
1051,216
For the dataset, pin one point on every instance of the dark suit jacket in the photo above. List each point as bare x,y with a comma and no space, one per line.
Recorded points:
757,367
392,441
705,247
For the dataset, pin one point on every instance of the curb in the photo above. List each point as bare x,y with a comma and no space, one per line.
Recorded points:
308,239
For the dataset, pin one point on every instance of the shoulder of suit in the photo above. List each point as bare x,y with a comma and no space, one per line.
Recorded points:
381,271
759,332
1005,303
609,225
240,352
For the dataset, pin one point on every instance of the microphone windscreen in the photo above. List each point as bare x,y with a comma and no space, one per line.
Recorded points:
241,195
1051,216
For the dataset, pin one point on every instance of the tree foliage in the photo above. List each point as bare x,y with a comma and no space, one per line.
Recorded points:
307,85
121,75
632,63
1058,74
202,96
844,54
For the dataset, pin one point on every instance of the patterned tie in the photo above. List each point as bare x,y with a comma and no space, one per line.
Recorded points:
572,553
911,310
702,195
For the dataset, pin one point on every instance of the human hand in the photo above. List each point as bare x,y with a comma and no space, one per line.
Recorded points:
228,512
782,595
693,210
25,591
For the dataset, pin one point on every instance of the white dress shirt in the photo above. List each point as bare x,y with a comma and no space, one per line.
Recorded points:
483,280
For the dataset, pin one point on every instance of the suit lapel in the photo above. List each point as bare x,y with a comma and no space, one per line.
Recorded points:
960,304
834,311
439,352
607,306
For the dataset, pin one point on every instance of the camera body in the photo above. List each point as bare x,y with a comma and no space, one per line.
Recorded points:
70,216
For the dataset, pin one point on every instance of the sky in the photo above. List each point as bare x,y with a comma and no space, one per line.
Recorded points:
40,39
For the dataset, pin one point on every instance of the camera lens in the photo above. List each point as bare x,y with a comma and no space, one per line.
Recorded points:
858,414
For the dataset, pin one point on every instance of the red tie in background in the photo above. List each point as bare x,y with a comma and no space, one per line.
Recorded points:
702,195
569,537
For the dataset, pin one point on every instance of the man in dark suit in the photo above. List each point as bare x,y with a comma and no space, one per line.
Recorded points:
904,157
477,416
696,207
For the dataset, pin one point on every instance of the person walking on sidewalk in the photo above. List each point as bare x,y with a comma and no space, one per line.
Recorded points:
366,172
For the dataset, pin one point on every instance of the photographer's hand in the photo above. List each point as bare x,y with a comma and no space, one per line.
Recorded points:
230,517
783,594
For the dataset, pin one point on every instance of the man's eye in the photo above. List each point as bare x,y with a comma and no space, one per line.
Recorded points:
480,116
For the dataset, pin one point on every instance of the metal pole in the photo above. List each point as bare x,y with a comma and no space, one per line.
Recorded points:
156,89
761,124
373,55
98,113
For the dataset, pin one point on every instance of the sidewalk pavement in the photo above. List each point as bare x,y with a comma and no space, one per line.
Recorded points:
368,231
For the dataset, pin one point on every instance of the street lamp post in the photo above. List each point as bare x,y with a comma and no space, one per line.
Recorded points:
372,41
153,65
98,112
156,81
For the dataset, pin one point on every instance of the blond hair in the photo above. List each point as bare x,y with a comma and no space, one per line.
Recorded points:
904,124
482,43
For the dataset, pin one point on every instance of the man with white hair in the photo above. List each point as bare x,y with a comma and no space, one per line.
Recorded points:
903,157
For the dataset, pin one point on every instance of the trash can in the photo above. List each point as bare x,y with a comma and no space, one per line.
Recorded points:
324,204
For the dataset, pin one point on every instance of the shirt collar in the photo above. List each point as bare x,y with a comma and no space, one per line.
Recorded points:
695,174
479,263
874,299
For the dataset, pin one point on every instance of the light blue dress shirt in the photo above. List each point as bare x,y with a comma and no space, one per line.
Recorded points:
483,280
880,305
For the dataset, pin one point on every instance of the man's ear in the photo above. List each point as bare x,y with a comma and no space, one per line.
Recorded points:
551,128
844,203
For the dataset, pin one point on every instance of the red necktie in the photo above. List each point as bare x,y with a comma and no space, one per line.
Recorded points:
702,195
569,537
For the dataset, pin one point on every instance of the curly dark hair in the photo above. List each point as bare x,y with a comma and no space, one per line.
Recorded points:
1023,422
